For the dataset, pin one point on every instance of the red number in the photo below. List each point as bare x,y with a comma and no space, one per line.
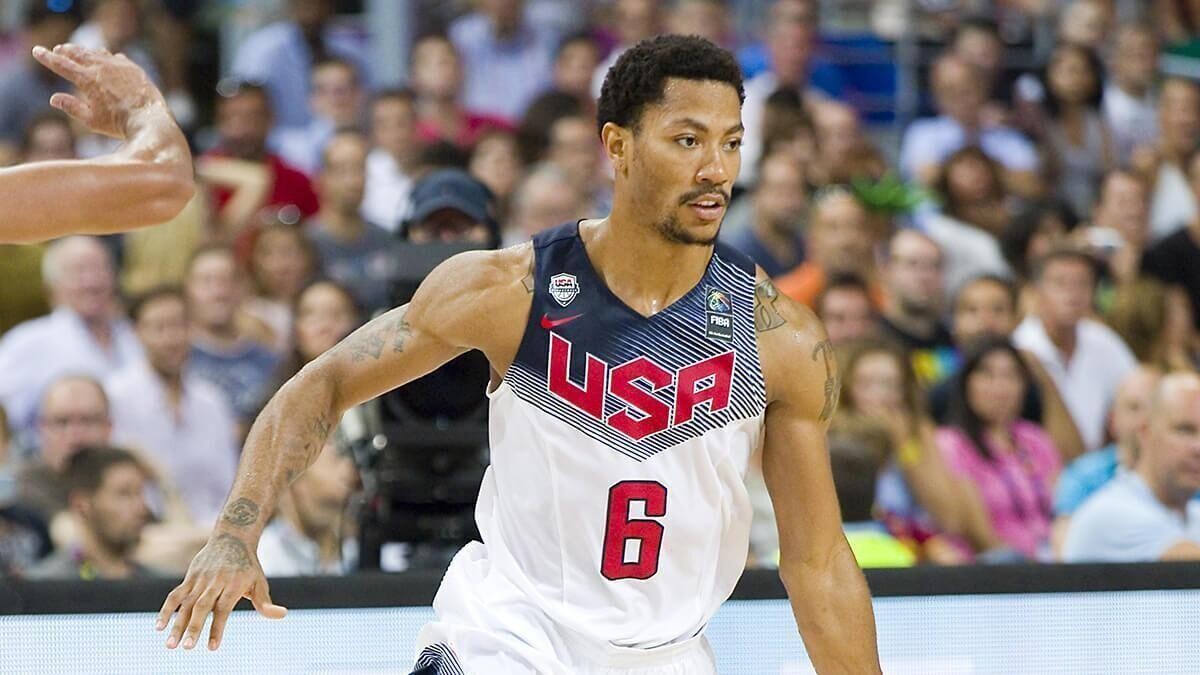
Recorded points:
620,528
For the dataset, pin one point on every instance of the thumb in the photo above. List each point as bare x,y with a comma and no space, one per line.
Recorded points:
260,597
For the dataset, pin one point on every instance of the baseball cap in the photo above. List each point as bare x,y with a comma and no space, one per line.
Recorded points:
450,189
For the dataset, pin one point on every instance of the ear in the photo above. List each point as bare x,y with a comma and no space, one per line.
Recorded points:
617,142
80,504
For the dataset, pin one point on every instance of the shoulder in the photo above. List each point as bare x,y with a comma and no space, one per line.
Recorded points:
1102,337
797,359
27,333
1118,504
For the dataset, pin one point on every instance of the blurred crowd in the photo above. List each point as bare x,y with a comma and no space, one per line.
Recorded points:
1011,279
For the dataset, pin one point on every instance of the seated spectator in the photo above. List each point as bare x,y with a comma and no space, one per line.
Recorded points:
575,148
451,206
844,307
227,347
1155,321
1131,93
283,260
1087,474
281,56
844,154
975,209
775,236
960,98
1149,512
840,240
496,162
1164,164
392,162
105,487
575,63
916,492
1119,229
307,537
533,134
81,336
336,101
1086,23
326,312
1035,230
116,25
977,41
1011,462
632,22
546,197
1175,260
26,86
788,130
1084,357
24,539
179,420
352,251
912,305
855,467
707,18
437,81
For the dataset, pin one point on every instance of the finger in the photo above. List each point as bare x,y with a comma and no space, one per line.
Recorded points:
79,54
200,614
221,612
174,599
260,597
60,64
182,619
72,105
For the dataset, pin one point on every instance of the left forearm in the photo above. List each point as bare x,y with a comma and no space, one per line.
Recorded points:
833,611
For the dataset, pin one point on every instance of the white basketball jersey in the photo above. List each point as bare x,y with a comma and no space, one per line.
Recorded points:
615,504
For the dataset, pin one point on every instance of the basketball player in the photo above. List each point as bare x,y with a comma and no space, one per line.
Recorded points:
638,364
146,181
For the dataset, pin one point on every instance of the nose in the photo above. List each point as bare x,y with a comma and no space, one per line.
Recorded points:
714,170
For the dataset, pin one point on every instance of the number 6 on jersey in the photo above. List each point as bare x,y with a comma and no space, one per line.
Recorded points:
620,529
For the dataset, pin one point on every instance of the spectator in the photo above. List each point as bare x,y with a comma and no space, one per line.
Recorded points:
282,262
1087,474
496,163
791,36
1120,227
633,21
307,535
840,240
1130,93
116,25
1175,259
281,57
1086,23
80,336
775,236
226,346
179,420
1036,229
336,102
912,305
74,413
1155,321
24,539
251,185
26,86
437,80
1149,512
106,487
539,120
545,198
1011,462
575,148
1085,358
326,312
916,493
575,64
392,162
788,129
1164,164
960,97
451,206
843,153
507,56
1078,144
844,307
707,18
855,467
1176,21
977,41
48,137
352,251
973,215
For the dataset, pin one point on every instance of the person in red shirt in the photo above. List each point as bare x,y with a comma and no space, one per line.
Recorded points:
437,80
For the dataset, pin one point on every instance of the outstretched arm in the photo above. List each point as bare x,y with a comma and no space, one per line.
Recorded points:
146,181
828,592
456,309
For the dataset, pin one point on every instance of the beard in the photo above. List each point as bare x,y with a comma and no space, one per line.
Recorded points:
669,229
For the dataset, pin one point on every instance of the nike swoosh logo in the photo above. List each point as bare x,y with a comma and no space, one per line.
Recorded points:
548,323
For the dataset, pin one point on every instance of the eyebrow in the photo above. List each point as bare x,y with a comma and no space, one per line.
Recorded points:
693,122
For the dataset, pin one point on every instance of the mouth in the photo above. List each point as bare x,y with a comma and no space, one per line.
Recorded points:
708,207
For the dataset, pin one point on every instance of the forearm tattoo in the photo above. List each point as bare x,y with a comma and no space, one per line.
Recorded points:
242,512
369,341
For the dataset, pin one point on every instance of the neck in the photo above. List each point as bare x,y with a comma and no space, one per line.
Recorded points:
221,335
173,382
648,276
343,226
1063,337
1125,454
1000,435
109,564
1162,491
1134,89
915,324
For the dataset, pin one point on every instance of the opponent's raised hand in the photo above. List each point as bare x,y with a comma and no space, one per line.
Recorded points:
109,88
222,573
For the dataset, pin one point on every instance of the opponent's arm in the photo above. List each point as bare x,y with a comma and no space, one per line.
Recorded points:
148,180
828,592
453,311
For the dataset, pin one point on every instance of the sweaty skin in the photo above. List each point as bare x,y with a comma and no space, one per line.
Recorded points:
651,250
146,181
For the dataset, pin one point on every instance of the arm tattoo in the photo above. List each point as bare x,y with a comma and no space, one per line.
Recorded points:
403,331
368,341
824,351
227,551
241,512
527,280
766,314
302,452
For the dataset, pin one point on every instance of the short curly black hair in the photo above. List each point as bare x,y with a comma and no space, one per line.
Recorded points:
639,76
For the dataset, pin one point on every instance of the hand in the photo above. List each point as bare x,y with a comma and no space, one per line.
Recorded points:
223,572
110,89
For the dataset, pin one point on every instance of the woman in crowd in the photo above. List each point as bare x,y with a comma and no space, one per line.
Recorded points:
1156,322
1077,141
326,312
281,262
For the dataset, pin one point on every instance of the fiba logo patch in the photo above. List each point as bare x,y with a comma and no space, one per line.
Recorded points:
564,288
718,315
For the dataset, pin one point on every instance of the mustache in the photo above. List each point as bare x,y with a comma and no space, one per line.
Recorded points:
702,192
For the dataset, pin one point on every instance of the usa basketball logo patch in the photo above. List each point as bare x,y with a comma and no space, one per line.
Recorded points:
718,315
564,288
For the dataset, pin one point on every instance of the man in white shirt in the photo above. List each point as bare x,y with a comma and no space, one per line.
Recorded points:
1085,358
1130,100
393,158
181,421
82,336
1150,512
